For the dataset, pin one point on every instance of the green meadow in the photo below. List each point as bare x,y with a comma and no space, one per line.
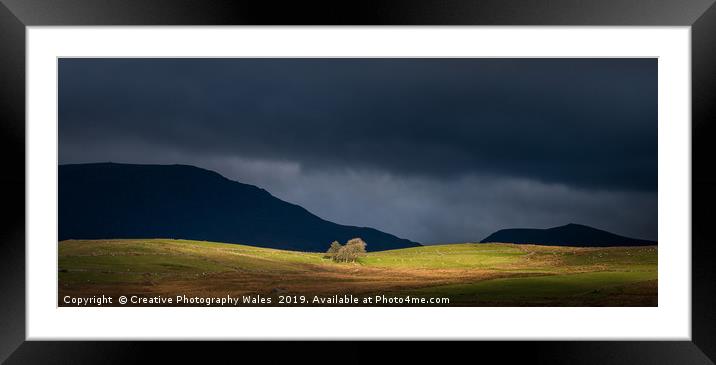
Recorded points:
467,274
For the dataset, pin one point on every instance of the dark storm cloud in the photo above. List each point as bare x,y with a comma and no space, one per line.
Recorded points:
580,122
436,150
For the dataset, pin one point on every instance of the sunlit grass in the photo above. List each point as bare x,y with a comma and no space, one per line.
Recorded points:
468,273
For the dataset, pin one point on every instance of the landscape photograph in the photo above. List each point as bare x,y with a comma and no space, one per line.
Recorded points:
451,182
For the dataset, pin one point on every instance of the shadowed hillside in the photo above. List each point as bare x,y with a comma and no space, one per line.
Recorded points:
575,235
108,200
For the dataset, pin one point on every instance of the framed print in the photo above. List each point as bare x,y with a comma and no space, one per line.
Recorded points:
449,171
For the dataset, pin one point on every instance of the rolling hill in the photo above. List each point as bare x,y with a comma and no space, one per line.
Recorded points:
575,235
467,274
110,200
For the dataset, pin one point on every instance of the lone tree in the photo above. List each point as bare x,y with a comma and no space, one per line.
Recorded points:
333,250
354,249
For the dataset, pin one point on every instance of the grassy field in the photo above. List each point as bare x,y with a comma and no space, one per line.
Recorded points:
467,274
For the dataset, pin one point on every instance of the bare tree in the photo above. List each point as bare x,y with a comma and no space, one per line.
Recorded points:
354,249
333,250
358,244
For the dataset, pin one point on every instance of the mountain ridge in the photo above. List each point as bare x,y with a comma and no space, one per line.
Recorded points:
570,234
114,200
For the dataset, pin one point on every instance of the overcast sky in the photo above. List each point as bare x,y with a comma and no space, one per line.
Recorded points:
433,150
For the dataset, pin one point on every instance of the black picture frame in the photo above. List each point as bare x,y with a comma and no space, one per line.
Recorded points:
700,15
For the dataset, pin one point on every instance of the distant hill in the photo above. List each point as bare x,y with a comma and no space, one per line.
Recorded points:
109,200
568,235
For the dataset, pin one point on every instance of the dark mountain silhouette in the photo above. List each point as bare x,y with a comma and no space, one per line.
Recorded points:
568,235
109,200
